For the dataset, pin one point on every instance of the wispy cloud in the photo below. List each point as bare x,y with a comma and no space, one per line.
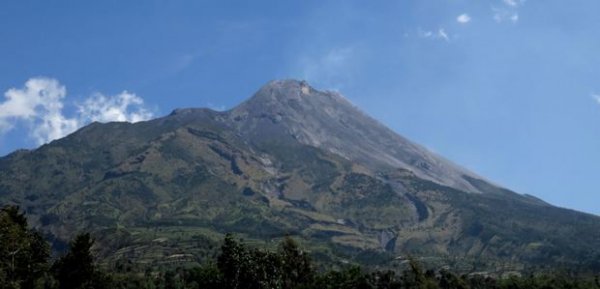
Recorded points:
440,34
596,97
508,11
182,62
331,69
216,107
463,18
504,15
40,106
425,34
512,3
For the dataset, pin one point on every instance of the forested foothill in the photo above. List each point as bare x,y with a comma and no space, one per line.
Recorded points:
27,262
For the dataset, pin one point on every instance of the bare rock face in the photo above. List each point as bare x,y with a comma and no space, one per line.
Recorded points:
328,121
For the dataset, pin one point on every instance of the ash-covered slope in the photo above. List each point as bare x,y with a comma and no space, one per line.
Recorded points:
290,160
328,121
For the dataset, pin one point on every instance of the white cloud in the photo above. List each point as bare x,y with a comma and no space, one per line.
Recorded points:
442,34
508,12
439,34
121,107
502,15
38,93
39,105
425,34
463,18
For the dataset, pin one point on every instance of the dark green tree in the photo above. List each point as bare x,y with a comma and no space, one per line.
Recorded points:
230,262
415,277
386,280
449,280
23,252
350,278
296,267
76,269
206,276
244,268
173,280
239,266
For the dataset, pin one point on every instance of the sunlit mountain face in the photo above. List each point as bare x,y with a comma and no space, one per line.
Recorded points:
291,160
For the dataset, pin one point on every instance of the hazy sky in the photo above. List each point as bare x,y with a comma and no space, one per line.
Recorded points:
507,88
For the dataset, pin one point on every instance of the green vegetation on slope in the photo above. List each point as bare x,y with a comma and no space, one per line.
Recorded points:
24,264
290,161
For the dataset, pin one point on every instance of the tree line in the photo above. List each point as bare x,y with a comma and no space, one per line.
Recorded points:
25,262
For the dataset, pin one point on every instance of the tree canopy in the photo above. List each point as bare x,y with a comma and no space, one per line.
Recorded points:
25,263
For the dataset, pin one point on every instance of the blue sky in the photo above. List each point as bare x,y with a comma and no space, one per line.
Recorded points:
507,88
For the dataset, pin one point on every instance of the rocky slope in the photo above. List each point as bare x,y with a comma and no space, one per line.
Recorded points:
290,160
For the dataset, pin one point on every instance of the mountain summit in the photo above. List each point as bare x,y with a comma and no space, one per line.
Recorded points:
329,121
291,160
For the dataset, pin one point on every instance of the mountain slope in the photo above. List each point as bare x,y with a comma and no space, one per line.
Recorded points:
290,160
328,121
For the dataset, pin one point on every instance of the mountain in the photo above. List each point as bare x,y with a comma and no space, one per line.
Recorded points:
291,160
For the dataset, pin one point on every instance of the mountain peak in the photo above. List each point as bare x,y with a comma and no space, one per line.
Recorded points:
282,91
291,97
301,86
327,120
